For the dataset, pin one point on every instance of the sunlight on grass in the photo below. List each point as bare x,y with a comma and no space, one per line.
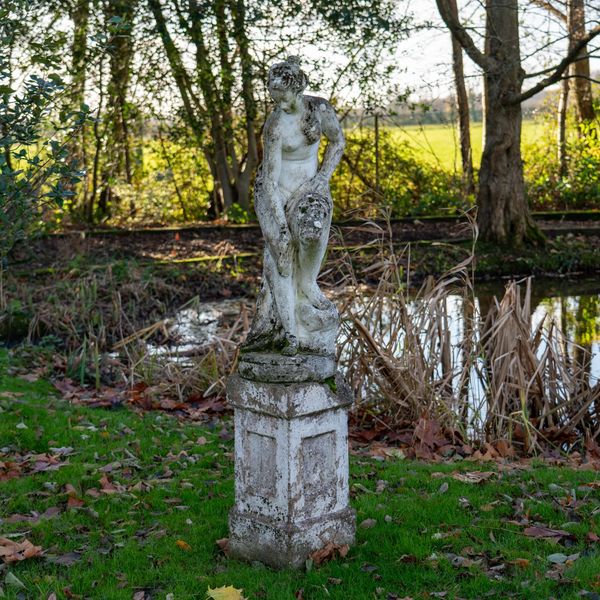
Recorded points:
439,144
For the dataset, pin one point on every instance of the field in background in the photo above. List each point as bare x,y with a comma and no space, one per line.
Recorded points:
439,144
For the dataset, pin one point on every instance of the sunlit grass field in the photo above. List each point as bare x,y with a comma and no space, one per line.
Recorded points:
439,144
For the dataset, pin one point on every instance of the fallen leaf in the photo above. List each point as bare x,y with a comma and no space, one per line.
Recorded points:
473,476
368,523
557,558
225,593
183,545
11,552
522,563
12,580
223,543
547,533
329,552
65,560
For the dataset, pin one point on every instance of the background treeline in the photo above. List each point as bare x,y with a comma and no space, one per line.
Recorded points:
150,111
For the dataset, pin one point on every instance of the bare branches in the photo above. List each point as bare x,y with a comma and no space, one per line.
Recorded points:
545,4
564,64
463,37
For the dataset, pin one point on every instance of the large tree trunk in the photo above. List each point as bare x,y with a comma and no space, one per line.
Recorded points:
581,67
462,101
503,215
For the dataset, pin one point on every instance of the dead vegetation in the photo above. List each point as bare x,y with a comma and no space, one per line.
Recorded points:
487,375
435,360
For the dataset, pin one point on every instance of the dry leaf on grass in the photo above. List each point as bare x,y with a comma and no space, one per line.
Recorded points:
329,552
546,533
473,476
183,545
223,543
11,552
225,593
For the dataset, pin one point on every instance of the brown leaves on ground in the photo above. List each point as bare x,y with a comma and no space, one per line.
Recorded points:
473,476
11,552
329,552
142,397
33,518
428,440
18,465
546,533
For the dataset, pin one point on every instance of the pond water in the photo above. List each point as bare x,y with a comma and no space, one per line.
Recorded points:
574,306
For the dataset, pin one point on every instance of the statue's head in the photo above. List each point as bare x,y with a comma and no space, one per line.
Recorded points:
286,82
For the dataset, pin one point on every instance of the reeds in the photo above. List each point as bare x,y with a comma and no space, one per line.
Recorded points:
489,376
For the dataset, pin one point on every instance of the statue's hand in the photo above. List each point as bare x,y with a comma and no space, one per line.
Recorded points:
319,184
284,258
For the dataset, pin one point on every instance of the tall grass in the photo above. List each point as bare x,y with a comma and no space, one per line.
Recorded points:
488,376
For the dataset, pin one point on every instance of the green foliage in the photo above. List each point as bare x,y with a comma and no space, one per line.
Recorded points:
579,186
35,169
408,185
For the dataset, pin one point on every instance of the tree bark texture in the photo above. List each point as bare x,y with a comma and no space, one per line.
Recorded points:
503,214
121,54
581,67
80,16
561,137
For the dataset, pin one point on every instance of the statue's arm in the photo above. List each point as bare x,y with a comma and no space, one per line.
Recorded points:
335,136
272,220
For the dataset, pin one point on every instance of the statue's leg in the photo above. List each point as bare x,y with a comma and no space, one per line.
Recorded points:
282,291
310,257
265,319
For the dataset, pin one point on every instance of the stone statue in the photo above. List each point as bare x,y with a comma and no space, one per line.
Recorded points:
290,404
293,204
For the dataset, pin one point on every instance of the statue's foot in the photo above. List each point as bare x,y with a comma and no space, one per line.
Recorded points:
291,346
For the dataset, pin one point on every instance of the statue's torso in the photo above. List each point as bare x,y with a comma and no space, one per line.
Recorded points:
299,153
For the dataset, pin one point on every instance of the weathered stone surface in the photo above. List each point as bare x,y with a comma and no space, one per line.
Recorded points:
293,203
291,470
291,424
289,401
277,368
282,545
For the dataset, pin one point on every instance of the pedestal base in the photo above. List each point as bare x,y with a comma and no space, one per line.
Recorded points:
286,544
291,470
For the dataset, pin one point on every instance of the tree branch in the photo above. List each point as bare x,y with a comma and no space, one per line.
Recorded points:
562,66
551,9
462,36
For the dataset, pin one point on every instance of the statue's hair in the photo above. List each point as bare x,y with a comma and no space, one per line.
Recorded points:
290,73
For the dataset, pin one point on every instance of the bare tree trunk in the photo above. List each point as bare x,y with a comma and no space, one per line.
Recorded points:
563,103
581,67
462,101
118,165
503,215
80,16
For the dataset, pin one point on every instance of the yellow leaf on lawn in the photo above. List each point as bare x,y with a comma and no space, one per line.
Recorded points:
183,545
225,593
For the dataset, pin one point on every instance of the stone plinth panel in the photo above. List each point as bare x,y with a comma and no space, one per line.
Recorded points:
291,470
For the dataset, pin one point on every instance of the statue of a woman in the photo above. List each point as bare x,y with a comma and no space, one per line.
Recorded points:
293,203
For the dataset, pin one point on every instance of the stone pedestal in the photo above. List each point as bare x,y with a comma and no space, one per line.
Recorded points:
291,469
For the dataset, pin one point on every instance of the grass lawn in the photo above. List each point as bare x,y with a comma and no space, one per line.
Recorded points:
439,144
143,499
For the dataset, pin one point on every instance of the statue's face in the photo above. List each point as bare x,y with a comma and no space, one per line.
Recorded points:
285,97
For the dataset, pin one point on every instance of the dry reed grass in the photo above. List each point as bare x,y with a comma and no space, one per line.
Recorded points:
489,377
